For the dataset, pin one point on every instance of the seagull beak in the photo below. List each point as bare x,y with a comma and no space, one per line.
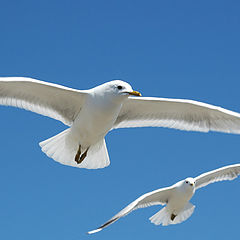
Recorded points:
191,184
135,93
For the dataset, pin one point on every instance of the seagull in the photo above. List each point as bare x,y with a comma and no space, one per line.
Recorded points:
91,114
176,197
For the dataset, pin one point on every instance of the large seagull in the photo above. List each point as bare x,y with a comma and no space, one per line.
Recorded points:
176,198
91,114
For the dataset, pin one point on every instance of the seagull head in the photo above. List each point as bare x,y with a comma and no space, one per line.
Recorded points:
118,88
186,187
189,182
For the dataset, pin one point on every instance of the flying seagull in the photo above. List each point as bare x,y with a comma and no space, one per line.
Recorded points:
176,197
91,114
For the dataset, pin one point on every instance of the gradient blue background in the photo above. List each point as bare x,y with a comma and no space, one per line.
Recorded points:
181,49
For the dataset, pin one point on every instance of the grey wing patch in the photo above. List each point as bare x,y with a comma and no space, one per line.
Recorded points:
180,114
52,100
148,205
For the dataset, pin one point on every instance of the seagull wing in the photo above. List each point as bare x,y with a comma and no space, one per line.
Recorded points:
176,113
52,100
225,173
157,197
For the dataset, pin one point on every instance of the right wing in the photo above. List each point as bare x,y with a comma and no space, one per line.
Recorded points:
48,99
157,197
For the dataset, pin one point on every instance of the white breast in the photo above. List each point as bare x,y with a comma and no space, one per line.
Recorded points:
179,199
95,120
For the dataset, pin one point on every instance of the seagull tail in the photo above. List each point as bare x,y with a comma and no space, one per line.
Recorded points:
63,148
164,215
97,156
161,217
184,214
55,147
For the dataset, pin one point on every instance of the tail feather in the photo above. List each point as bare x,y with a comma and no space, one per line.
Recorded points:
63,149
164,215
97,156
185,213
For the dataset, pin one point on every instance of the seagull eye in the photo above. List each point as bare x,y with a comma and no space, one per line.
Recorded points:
187,182
119,87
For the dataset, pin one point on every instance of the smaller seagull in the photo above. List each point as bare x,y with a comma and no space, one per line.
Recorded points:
176,197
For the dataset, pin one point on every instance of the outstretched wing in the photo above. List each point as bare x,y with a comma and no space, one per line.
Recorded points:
176,113
48,99
156,197
225,173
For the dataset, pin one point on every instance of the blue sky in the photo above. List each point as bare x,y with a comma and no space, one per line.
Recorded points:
181,49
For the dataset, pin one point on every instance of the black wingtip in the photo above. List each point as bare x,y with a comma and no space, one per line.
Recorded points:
103,226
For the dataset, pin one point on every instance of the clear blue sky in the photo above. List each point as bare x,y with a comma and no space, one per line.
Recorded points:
181,49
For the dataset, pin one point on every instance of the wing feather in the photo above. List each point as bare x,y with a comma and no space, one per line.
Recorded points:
176,113
225,173
48,99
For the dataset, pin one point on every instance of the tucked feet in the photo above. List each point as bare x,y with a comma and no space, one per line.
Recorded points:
79,158
78,155
173,216
83,156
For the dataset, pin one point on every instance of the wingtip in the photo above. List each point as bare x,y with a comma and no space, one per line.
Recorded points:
94,231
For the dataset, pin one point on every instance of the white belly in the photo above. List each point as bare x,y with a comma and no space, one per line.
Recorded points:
178,202
93,123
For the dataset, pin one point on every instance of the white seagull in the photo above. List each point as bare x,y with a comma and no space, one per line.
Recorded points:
176,197
91,114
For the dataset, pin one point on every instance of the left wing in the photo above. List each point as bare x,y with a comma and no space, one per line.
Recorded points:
176,113
156,197
225,173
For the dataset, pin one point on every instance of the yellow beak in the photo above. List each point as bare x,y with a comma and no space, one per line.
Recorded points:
135,93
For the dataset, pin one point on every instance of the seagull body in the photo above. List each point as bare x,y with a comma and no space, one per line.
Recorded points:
93,122
176,198
91,114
